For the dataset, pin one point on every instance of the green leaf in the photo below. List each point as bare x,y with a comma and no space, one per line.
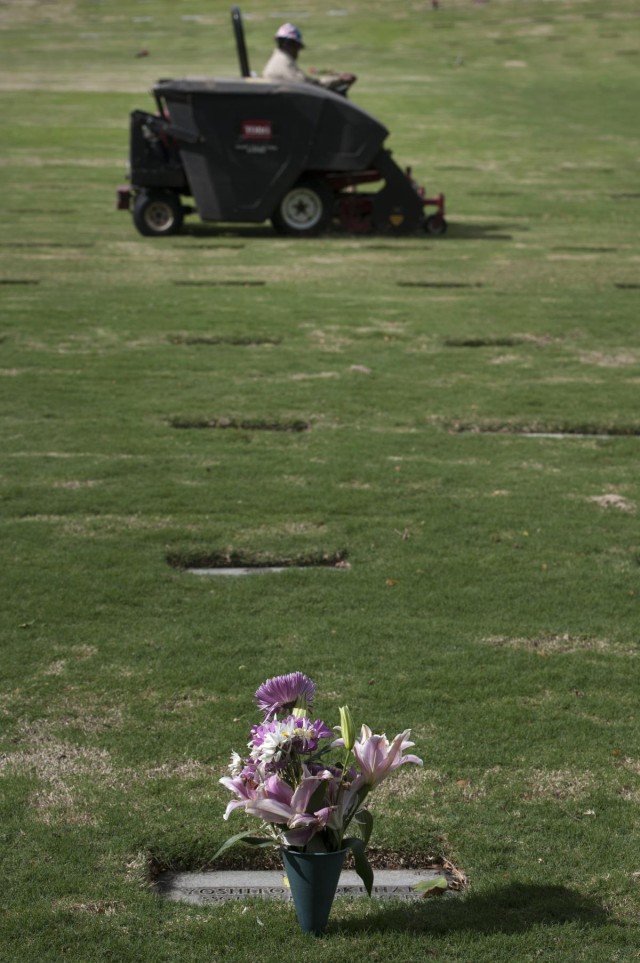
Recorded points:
244,839
431,885
362,867
364,822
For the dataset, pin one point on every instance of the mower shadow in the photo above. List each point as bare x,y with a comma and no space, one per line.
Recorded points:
483,232
511,909
456,232
236,232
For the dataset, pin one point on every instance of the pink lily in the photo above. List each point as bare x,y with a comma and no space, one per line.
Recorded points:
245,791
276,802
377,757
303,828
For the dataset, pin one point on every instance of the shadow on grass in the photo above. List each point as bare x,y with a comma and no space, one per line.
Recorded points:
234,233
482,232
209,231
510,909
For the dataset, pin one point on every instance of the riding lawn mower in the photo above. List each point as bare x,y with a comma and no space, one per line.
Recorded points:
248,150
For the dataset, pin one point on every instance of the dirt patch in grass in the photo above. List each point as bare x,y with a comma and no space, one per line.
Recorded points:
97,526
76,485
557,784
356,485
312,376
572,256
57,245
44,162
218,247
57,765
189,769
633,765
561,644
612,500
410,782
389,330
53,211
601,359
495,193
17,12
95,907
188,700
62,767
330,339
235,341
506,359
286,528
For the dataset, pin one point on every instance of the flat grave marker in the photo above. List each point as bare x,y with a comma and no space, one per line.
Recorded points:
221,886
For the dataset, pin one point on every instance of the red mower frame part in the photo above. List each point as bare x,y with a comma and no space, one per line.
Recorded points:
355,210
123,198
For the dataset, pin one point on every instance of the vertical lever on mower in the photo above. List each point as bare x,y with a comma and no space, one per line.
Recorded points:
238,29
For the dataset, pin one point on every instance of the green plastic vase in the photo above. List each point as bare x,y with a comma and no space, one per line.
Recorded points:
313,879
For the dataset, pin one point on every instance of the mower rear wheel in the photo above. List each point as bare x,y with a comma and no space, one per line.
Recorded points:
158,214
435,225
306,210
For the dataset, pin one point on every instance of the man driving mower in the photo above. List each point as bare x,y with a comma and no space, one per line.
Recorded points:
282,65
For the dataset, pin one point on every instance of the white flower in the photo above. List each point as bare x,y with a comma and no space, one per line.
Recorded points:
236,765
275,741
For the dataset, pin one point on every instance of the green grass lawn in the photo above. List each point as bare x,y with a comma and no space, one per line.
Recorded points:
471,446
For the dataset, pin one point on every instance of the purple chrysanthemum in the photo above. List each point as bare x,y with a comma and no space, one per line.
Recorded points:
284,693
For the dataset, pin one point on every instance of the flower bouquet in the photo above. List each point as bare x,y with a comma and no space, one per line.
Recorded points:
307,786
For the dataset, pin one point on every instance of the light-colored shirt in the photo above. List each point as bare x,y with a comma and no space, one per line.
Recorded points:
282,66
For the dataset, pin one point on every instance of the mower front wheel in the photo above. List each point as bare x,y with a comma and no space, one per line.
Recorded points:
305,210
158,214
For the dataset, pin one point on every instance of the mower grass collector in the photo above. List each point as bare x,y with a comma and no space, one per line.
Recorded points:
248,150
